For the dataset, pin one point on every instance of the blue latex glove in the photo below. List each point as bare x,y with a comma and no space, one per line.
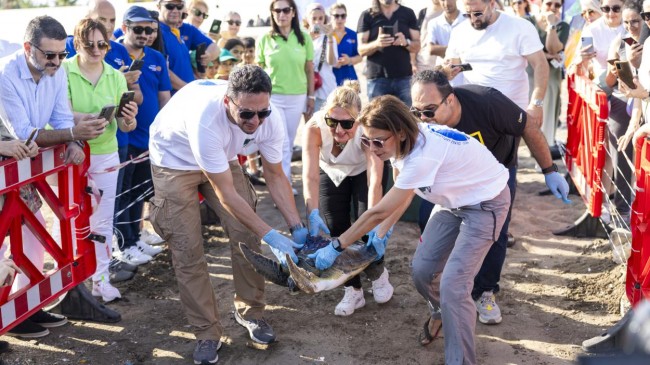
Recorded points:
300,236
281,245
558,186
316,223
378,242
325,257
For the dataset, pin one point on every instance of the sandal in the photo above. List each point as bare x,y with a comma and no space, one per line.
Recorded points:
425,336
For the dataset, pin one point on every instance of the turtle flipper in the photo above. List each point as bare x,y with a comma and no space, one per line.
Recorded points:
303,278
268,268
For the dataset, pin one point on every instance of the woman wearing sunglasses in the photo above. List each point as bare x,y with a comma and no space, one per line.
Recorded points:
233,24
92,85
339,173
469,188
590,10
198,13
325,51
346,44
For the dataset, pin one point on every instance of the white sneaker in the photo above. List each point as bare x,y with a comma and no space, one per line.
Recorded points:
134,256
148,249
353,299
487,308
151,238
105,290
382,290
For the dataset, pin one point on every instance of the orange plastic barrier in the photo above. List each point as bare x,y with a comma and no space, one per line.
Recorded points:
75,257
637,281
587,115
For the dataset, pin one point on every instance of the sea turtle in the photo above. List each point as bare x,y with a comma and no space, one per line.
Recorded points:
304,275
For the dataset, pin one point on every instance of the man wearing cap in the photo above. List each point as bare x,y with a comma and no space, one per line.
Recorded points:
180,64
155,87
195,150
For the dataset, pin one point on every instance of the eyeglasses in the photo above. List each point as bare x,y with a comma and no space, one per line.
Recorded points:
101,45
139,29
375,142
633,23
607,8
645,15
249,114
198,12
428,113
475,14
178,7
234,22
340,16
286,10
333,122
552,4
52,55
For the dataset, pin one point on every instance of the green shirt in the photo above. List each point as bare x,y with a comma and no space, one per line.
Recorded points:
284,61
86,98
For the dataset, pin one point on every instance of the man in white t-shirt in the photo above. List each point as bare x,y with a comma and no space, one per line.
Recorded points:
194,150
499,46
439,31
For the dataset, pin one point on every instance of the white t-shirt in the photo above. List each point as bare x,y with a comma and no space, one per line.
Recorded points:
450,168
603,37
193,132
497,54
326,72
439,32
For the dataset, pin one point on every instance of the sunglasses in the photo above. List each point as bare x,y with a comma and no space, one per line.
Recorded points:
198,12
645,15
555,5
340,16
52,55
140,29
345,123
475,14
249,114
178,7
286,10
101,45
234,22
607,8
375,142
428,113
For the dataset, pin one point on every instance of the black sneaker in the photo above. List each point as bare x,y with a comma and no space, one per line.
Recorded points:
205,352
119,265
48,320
258,329
28,329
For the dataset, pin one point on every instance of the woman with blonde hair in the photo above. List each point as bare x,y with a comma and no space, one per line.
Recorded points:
338,173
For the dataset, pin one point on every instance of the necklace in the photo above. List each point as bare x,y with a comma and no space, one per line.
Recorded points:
341,146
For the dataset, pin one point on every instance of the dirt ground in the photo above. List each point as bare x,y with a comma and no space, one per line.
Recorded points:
556,292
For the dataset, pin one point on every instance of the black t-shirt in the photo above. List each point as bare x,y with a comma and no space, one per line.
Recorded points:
394,61
493,119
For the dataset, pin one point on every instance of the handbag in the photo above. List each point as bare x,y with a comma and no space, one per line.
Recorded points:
318,79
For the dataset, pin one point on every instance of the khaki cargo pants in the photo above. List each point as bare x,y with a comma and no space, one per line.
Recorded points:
175,217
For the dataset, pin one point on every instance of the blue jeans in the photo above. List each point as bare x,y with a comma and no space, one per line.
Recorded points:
398,87
489,275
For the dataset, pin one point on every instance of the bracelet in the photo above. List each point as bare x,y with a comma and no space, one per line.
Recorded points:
312,97
71,134
548,170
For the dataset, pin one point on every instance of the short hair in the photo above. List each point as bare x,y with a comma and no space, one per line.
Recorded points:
83,29
248,79
232,43
249,42
338,5
632,5
345,97
435,77
44,27
231,14
391,114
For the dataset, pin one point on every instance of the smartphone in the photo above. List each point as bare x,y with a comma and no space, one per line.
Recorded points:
200,51
625,73
629,40
136,65
31,137
464,67
612,61
387,29
126,97
107,112
587,42
216,26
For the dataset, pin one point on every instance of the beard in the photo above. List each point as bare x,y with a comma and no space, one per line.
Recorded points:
41,68
481,25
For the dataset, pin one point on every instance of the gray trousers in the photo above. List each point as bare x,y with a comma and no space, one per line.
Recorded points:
454,243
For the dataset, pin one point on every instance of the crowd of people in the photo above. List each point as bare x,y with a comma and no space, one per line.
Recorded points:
452,90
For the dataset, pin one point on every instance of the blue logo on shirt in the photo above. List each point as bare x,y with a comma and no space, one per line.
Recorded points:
449,133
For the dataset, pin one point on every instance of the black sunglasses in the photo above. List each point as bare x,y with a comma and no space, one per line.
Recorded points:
139,29
645,15
178,7
101,45
249,114
52,55
428,113
286,10
345,123
340,16
377,143
198,12
475,14
552,4
607,8
234,22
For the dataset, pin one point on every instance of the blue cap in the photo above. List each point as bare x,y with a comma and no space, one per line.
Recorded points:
138,14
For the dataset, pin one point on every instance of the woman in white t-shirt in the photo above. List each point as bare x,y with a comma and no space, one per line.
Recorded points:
339,173
321,34
468,186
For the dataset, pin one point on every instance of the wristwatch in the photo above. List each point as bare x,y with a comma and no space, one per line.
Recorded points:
337,245
408,43
538,102
548,170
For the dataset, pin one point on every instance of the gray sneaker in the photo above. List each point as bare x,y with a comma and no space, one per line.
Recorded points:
258,329
487,308
205,352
